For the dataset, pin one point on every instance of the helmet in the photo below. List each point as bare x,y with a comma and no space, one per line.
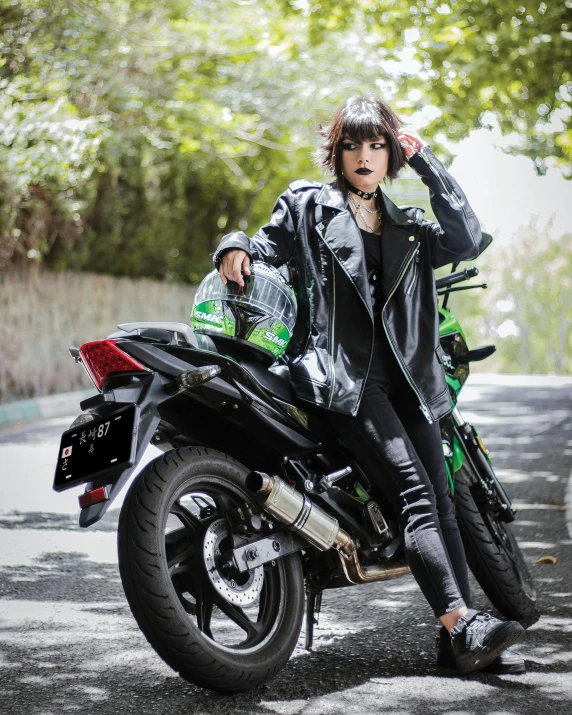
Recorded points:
260,314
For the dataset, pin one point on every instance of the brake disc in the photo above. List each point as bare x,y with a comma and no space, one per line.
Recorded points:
239,593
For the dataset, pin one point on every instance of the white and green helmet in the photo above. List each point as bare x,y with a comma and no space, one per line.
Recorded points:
261,313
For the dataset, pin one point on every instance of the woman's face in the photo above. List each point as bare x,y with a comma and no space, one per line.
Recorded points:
365,163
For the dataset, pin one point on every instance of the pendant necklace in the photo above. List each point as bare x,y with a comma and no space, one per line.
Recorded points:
359,207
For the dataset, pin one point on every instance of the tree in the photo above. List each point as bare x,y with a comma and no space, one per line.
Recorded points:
474,60
143,131
527,310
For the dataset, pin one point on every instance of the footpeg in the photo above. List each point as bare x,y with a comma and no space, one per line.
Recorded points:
326,482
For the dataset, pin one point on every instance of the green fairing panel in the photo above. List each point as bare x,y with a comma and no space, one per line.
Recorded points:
458,455
451,480
449,324
359,494
453,383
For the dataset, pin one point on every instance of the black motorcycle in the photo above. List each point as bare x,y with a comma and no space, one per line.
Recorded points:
255,506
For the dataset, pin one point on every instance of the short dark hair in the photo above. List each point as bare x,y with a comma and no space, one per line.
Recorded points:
360,118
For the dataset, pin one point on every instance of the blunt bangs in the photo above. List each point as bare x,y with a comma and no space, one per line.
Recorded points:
362,127
360,119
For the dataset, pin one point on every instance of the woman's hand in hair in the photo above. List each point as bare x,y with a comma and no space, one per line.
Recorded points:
232,263
410,141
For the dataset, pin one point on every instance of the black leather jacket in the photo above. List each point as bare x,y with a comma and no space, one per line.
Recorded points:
313,238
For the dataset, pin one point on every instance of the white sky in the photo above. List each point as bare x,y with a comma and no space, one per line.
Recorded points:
505,191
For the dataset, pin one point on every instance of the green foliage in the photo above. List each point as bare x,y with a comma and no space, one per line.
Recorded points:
134,134
474,60
527,310
535,308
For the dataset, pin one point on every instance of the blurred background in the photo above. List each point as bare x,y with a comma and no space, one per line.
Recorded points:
133,135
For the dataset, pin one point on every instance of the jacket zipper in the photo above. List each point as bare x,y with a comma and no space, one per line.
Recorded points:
422,404
415,273
453,198
321,226
368,368
332,323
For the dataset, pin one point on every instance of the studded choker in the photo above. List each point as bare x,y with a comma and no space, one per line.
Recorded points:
364,194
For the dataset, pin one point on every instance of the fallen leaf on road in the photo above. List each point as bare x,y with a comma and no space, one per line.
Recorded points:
546,560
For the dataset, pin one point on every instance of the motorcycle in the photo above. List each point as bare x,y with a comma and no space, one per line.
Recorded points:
255,506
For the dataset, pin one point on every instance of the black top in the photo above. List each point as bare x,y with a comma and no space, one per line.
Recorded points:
372,247
383,366
372,250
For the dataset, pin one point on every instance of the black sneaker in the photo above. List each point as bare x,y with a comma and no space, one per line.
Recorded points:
506,663
478,639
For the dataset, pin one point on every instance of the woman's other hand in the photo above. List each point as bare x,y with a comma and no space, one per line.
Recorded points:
232,263
410,141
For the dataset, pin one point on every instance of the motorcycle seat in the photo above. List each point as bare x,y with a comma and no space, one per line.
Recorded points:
275,379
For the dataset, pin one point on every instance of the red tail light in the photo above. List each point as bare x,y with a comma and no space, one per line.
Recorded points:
101,358
95,496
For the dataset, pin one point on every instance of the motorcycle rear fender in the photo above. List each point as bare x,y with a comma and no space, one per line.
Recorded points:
149,394
148,397
145,390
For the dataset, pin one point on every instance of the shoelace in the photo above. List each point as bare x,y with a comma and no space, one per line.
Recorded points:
479,622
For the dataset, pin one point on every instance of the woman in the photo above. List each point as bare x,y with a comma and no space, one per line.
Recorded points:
366,343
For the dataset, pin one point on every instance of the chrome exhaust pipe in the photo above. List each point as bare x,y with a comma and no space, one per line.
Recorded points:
295,510
300,514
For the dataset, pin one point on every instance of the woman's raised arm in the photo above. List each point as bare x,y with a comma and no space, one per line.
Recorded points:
457,236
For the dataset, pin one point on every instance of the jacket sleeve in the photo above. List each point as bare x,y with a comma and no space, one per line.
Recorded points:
273,243
457,236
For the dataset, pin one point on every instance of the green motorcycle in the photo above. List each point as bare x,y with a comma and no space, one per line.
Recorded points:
483,508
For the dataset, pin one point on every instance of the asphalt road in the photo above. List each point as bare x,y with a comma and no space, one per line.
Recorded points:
68,642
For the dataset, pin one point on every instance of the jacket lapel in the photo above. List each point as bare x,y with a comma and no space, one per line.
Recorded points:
398,242
343,237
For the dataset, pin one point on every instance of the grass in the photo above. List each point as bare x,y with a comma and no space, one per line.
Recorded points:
42,314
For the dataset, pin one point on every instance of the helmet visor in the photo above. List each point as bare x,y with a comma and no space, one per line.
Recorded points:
264,290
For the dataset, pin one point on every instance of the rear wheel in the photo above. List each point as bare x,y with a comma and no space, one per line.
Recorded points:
494,556
217,627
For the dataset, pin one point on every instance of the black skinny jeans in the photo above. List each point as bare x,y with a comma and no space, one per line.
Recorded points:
403,454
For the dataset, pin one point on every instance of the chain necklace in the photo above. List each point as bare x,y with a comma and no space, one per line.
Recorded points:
359,207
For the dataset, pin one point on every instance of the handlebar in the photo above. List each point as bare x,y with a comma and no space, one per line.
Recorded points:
456,277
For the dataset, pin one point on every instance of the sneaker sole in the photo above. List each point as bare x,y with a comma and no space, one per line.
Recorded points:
448,663
503,638
515,669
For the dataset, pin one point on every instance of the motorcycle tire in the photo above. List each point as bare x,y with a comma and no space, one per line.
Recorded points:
204,634
494,556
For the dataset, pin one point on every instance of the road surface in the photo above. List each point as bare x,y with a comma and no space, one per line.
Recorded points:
68,642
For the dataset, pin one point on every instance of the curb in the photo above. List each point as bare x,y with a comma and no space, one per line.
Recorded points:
59,405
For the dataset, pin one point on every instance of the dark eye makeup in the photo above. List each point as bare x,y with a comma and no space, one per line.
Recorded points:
349,145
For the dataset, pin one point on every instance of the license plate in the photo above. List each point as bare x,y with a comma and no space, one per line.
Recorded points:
104,444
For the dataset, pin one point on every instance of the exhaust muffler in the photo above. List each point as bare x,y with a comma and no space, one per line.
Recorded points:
299,513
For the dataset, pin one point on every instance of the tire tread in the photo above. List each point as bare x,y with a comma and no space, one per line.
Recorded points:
489,564
179,643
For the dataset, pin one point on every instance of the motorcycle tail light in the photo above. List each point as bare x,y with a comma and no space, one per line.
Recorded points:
102,358
95,496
